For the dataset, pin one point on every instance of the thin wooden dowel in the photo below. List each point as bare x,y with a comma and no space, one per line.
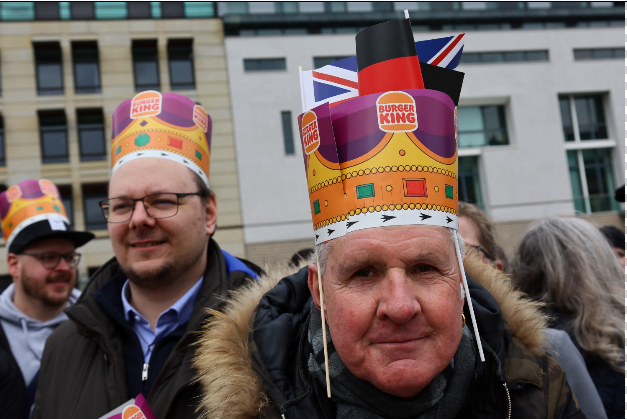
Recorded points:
324,329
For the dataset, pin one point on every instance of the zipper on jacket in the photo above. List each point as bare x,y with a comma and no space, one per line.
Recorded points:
145,372
509,402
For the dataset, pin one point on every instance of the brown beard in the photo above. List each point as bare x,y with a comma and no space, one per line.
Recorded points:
33,291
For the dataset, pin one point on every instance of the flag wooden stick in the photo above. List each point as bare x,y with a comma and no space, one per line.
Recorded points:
324,329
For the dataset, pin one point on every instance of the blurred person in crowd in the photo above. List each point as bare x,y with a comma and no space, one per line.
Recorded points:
384,298
568,264
41,259
300,257
617,241
478,231
132,331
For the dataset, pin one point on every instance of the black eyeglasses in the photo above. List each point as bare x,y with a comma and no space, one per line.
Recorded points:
50,260
482,250
157,205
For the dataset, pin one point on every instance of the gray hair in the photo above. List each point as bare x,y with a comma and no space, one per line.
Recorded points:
322,250
568,263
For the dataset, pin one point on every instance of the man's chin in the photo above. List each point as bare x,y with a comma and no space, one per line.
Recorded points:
149,275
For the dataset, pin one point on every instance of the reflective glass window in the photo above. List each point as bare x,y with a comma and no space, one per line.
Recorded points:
53,134
86,66
48,68
91,134
181,63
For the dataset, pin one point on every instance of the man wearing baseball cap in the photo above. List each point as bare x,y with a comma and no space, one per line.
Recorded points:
134,329
41,259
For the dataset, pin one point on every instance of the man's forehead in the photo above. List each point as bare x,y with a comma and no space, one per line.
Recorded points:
150,175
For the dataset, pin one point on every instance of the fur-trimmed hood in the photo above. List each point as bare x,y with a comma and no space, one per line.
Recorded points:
233,389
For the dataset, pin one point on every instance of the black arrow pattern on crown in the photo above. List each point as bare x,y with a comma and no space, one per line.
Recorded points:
163,154
349,224
448,219
387,217
317,236
120,161
140,154
424,216
329,232
185,161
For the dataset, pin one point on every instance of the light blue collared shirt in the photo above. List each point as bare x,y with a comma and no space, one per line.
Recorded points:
178,314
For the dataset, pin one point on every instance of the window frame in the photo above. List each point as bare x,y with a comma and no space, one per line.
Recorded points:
99,192
174,43
288,133
502,110
78,59
145,44
80,126
53,113
40,50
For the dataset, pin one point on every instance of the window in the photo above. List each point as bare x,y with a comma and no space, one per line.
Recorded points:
139,10
146,65
504,57
261,7
589,153
180,57
48,68
480,126
82,10
47,10
322,61
17,10
335,6
172,9
286,7
311,6
599,54
110,10
264,64
53,133
288,135
582,118
66,198
199,9
382,6
592,180
468,181
92,195
86,67
91,134
3,160
359,6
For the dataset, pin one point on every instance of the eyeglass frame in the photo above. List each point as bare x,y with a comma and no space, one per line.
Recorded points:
73,263
482,250
135,200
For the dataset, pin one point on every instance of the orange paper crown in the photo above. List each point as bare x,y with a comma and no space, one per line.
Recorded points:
167,125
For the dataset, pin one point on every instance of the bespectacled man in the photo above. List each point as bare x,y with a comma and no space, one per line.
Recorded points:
134,330
42,260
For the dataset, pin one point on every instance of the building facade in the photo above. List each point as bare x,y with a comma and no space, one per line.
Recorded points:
64,68
540,117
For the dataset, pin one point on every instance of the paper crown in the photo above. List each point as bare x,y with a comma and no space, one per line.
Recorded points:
162,125
32,210
388,156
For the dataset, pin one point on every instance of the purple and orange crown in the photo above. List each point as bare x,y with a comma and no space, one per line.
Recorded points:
162,125
388,156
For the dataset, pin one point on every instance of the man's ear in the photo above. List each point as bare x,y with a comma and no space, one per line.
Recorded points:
13,265
312,282
211,212
498,264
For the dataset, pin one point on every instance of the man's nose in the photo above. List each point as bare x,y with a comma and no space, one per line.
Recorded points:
398,301
140,216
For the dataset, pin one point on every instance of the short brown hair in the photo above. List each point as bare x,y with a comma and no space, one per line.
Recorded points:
485,230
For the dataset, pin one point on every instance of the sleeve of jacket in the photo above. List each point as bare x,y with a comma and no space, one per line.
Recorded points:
562,403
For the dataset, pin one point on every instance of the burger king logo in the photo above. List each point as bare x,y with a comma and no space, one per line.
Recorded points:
48,187
309,133
201,118
396,112
133,412
145,104
13,193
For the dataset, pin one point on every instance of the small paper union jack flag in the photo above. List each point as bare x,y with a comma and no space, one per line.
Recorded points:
337,82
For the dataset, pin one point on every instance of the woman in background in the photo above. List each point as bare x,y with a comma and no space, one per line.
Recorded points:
568,264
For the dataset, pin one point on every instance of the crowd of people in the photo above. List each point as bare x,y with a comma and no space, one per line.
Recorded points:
401,310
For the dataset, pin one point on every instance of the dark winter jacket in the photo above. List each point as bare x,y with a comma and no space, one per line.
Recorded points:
83,373
609,382
252,358
12,388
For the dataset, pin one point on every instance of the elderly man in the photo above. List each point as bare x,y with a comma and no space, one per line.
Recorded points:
388,279
42,259
133,328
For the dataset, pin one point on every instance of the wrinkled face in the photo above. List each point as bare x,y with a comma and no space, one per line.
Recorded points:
393,304
158,252
50,286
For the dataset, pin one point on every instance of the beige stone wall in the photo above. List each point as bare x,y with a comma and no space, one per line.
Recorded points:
19,104
275,252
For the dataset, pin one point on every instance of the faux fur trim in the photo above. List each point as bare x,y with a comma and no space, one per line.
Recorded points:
233,390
